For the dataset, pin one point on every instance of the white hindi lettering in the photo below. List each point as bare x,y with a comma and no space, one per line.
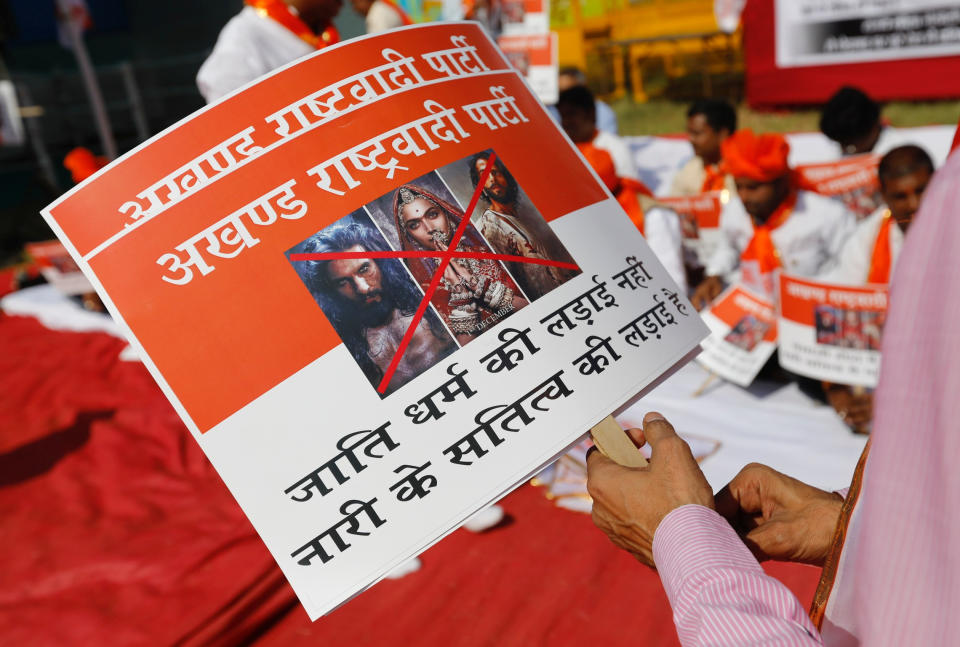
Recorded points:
192,176
397,75
503,108
459,60
366,157
229,236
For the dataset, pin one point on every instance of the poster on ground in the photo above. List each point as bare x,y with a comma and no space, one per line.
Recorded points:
743,335
358,285
832,332
815,32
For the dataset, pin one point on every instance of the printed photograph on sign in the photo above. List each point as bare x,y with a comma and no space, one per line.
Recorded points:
371,301
747,333
848,328
475,292
511,224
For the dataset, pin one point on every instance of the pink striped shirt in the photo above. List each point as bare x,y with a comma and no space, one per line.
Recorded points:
898,580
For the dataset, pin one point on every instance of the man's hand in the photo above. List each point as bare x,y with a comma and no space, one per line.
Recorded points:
708,290
780,517
629,504
855,409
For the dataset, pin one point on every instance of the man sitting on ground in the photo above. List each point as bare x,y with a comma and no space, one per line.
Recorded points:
772,226
870,253
570,77
709,123
852,119
578,117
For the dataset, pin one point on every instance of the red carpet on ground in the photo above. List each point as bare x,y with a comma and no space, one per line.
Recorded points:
117,531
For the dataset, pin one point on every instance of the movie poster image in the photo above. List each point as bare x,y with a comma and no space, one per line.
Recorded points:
511,224
743,329
747,333
371,302
857,329
474,293
832,332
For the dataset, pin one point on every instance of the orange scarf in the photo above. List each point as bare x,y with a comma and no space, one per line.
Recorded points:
279,11
628,194
882,258
404,17
715,180
760,253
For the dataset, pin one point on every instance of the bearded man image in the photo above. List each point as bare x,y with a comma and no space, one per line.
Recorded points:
371,302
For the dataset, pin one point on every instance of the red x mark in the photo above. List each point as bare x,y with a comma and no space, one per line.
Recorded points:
445,258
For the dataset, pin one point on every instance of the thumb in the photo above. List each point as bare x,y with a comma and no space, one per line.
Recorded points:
656,429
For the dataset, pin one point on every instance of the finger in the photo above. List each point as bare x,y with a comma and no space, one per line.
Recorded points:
727,505
656,430
596,461
636,435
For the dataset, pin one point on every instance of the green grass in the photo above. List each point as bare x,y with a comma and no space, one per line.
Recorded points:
663,117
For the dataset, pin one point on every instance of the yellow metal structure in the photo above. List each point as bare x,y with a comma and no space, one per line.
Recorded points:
622,36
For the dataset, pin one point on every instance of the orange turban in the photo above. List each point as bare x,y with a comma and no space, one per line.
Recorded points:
759,157
601,162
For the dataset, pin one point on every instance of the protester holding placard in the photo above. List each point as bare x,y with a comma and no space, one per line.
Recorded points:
868,257
889,575
709,123
265,35
869,254
773,225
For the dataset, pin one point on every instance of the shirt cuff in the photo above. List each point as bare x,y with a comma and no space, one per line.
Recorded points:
692,539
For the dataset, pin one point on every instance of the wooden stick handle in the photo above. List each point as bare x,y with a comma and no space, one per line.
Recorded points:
614,443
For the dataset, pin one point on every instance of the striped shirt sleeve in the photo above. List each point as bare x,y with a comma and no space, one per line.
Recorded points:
719,593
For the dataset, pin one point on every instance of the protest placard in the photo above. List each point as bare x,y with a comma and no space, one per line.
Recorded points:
852,180
525,17
381,289
831,332
535,57
699,220
743,335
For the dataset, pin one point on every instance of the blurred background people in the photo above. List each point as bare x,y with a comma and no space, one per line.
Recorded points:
265,35
709,123
381,15
772,225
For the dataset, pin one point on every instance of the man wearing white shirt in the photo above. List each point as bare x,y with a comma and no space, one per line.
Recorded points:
265,35
867,257
772,226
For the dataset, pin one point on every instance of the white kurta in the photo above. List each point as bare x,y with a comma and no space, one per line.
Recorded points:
661,229
852,264
620,152
249,46
812,236
382,17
